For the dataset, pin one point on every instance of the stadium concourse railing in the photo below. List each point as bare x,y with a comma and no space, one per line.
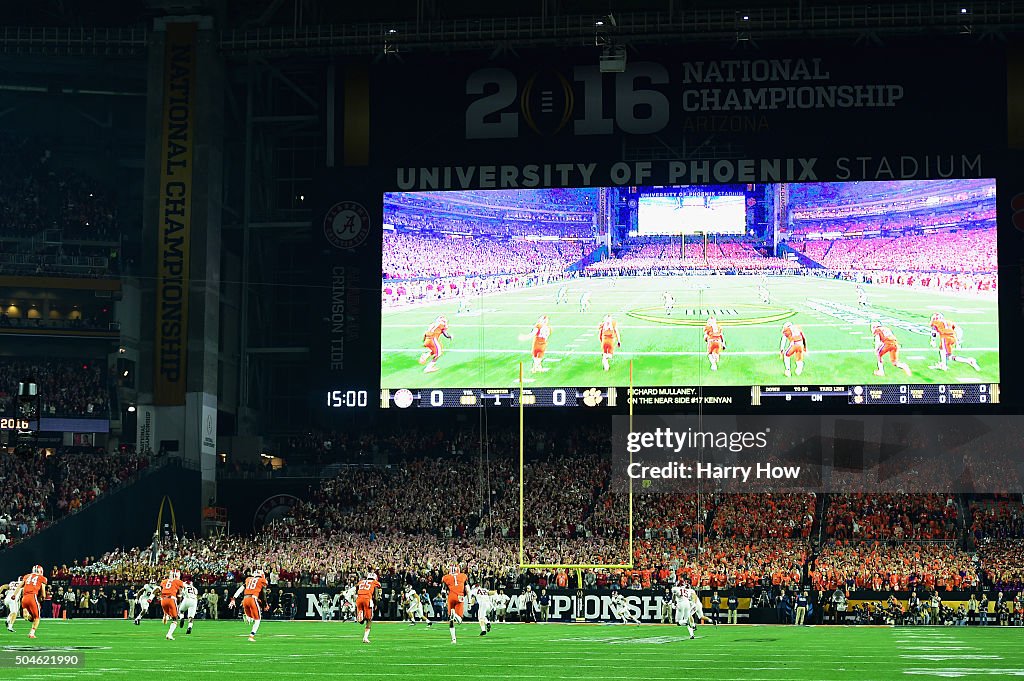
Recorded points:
690,24
126,516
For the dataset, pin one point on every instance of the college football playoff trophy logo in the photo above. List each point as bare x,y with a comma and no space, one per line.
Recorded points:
346,225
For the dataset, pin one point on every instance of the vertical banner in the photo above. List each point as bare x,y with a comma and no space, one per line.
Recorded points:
145,437
176,160
347,234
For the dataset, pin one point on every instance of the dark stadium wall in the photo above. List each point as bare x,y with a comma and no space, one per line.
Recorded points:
125,518
253,503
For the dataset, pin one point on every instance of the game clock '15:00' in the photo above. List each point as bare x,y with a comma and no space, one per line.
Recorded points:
348,399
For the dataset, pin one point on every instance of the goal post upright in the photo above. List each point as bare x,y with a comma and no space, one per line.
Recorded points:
577,567
522,470
629,400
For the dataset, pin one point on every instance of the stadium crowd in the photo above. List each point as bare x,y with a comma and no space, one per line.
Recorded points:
649,255
67,387
963,251
919,517
405,522
416,256
44,489
38,195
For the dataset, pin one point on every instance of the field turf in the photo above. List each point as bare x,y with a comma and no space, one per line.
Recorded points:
114,649
490,341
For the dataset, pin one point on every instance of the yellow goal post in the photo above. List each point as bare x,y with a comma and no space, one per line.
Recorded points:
577,567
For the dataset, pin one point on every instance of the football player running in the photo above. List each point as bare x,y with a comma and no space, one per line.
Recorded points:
947,335
683,607
33,586
886,344
793,347
620,611
143,597
414,607
11,599
455,588
253,603
188,606
482,597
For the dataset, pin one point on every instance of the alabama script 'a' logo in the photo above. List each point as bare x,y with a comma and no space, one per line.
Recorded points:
346,225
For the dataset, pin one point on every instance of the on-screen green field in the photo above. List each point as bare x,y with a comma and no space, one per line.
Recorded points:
492,339
114,649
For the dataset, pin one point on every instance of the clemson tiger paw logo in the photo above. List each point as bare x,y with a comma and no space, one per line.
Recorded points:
592,397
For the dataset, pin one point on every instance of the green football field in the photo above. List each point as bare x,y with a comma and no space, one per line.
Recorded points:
114,649
491,339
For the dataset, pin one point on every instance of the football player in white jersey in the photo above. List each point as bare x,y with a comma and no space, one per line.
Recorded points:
585,302
697,607
189,605
144,597
347,609
619,609
11,601
670,302
683,607
414,607
482,597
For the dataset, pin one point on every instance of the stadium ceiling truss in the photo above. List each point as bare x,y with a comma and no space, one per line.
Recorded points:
275,117
866,23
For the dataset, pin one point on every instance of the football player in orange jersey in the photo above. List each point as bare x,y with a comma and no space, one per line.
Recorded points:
432,343
715,339
608,333
793,346
253,604
886,344
947,335
540,333
169,589
365,590
455,584
33,585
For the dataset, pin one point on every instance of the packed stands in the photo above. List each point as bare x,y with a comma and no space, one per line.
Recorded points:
860,207
764,516
409,255
1002,564
959,251
41,490
893,565
998,518
442,500
648,255
67,387
53,220
901,517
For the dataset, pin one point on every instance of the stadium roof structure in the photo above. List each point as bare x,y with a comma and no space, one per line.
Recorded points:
316,27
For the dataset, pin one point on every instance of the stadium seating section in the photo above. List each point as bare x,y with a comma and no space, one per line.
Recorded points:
54,221
409,520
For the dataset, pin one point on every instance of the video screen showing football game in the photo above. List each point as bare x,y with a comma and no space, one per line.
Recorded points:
731,285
